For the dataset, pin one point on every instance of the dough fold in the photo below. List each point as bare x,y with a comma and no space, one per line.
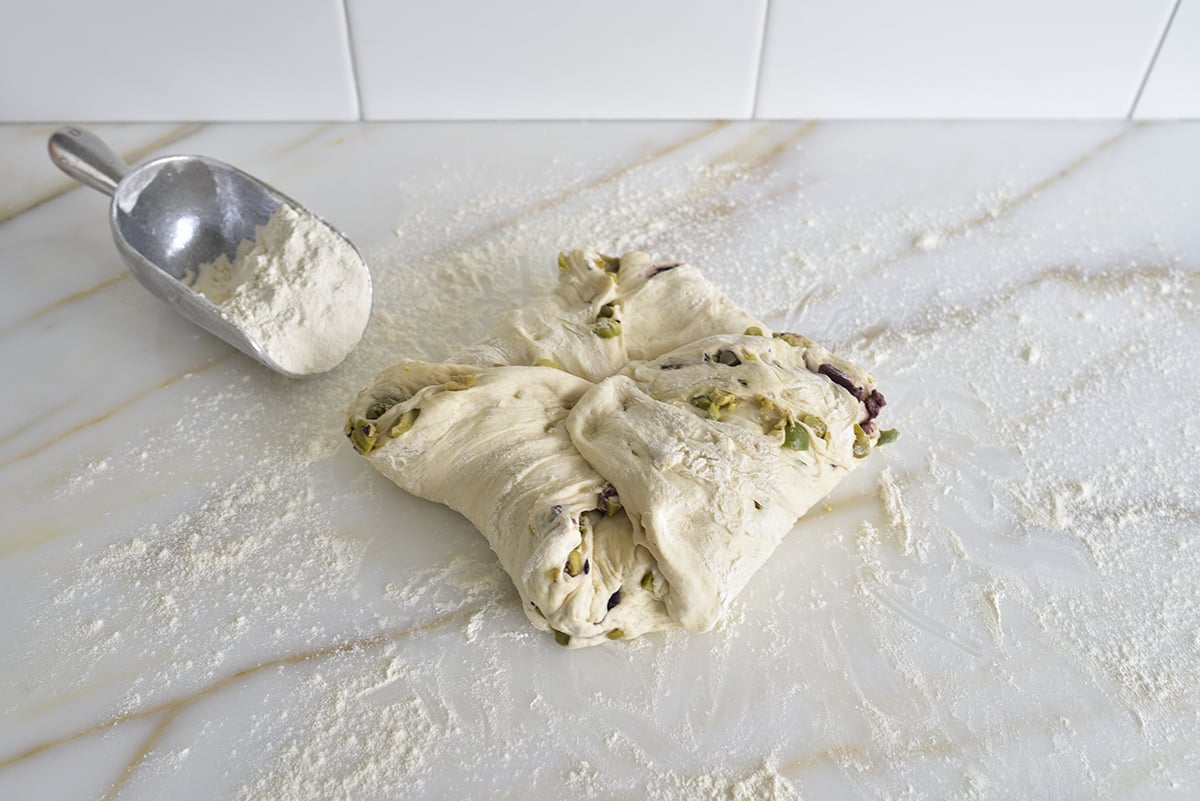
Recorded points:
629,479
606,312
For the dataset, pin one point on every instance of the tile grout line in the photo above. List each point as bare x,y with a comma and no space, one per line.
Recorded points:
358,104
762,52
1137,98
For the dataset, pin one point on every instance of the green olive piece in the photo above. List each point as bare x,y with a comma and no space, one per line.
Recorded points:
574,563
461,382
722,400
363,435
606,310
795,340
561,637
753,331
887,435
862,443
816,425
795,436
607,328
615,634
404,422
648,581
380,405
547,363
562,262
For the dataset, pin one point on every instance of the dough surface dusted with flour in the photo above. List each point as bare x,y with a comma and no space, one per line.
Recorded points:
633,446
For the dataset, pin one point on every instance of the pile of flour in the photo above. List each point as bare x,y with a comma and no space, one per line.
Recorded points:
299,290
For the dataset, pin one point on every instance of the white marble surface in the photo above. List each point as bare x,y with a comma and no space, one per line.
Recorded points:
205,594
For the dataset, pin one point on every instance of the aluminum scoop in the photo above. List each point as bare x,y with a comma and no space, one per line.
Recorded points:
173,214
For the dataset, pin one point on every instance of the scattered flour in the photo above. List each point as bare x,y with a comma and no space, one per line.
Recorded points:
1005,604
926,241
299,290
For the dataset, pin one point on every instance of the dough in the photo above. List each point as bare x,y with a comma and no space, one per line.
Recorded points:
633,446
607,312
491,443
696,443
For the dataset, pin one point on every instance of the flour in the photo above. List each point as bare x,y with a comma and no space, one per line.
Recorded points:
299,290
1013,599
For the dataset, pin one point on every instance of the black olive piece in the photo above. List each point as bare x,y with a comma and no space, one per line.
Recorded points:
662,268
587,566
842,380
614,599
874,402
556,509
728,358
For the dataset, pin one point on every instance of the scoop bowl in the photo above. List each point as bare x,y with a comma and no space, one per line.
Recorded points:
173,214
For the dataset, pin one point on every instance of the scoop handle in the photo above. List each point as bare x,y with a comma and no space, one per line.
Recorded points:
86,158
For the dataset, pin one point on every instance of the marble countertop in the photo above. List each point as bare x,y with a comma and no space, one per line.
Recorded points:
207,594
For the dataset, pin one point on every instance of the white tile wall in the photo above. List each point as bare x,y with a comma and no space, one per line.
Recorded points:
74,60
162,60
465,59
954,58
1173,88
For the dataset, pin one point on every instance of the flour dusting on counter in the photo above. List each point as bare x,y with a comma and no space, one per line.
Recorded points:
298,289
1024,591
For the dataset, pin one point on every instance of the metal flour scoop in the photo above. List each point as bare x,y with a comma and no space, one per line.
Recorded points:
173,214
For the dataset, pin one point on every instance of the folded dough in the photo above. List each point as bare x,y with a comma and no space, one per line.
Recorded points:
491,443
633,446
696,443
607,312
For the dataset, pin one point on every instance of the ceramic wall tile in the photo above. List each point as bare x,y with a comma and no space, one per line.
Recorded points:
145,60
541,59
1173,89
942,58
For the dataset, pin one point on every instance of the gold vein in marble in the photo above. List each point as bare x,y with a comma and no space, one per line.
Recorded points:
74,297
574,192
744,155
704,195
51,441
144,750
978,221
43,415
309,136
1012,204
1105,281
171,709
132,156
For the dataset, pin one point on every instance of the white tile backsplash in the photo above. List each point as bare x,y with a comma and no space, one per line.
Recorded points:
154,60
546,59
140,60
1173,88
950,58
